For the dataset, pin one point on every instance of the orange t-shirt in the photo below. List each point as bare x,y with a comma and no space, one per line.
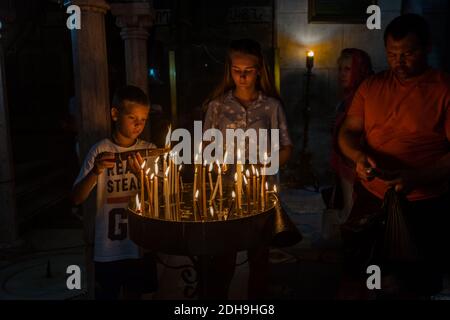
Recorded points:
406,125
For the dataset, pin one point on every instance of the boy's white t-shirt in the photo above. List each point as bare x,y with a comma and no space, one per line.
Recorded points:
114,189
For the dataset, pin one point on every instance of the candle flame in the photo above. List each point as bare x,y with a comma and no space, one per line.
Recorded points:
235,176
157,160
156,168
257,173
167,172
253,169
247,173
169,133
180,167
196,194
239,155
205,163
245,180
275,188
267,186
138,203
266,159
310,53
152,176
219,170
225,157
211,210
143,164
210,167
233,194
196,158
165,156
147,171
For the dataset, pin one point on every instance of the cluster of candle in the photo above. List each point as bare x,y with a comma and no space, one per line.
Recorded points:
171,183
250,192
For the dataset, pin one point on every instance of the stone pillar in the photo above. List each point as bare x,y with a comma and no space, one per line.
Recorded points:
134,19
92,101
91,74
8,217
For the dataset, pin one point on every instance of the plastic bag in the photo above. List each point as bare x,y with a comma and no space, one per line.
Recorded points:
398,244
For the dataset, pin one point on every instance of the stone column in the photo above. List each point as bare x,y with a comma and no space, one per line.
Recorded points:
134,19
91,74
92,101
8,218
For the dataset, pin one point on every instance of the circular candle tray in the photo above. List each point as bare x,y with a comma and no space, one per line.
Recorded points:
209,237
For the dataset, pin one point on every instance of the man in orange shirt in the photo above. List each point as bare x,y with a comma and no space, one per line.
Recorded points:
402,115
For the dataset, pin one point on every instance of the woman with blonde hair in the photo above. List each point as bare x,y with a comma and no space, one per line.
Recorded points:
245,99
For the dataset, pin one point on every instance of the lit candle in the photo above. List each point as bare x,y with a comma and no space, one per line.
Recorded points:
237,191
267,194
254,188
211,212
156,198
194,187
166,195
211,185
263,180
168,136
309,59
247,187
233,198
239,179
219,172
142,183
204,190
177,189
195,204
165,162
257,189
147,184
174,173
138,204
151,205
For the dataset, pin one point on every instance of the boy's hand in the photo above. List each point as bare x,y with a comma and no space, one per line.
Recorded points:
134,162
103,161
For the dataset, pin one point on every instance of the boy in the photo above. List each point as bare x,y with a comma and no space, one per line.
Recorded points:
117,259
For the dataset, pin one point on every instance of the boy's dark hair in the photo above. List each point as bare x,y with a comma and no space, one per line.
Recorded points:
129,93
401,26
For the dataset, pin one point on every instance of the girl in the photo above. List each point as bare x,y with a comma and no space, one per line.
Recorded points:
246,98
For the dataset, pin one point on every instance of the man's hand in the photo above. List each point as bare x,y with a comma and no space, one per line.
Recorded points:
404,180
363,165
105,160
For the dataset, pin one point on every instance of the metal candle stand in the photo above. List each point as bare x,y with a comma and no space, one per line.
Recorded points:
214,235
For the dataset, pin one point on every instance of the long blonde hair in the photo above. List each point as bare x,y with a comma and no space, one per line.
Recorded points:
264,81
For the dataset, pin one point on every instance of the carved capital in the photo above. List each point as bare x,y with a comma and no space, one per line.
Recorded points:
100,6
133,15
